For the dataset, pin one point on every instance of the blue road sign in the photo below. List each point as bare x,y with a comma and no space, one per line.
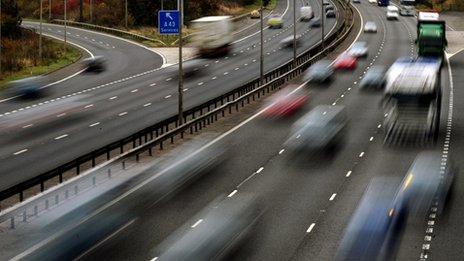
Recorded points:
168,22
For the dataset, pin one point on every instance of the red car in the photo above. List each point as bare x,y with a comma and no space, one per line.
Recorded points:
284,103
345,62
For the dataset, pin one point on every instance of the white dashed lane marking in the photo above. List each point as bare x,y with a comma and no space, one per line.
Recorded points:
61,137
20,152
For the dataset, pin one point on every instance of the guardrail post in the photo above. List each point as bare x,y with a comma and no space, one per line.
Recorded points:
137,157
78,169
150,151
123,165
42,186
21,196
161,145
93,161
182,134
107,154
60,178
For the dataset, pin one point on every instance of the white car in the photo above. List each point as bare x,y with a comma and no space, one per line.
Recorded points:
392,12
373,1
370,27
359,49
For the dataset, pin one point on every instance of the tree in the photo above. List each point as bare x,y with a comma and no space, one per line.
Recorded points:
10,19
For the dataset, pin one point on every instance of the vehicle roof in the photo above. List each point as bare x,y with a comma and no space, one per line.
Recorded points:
428,16
392,8
321,114
212,18
415,78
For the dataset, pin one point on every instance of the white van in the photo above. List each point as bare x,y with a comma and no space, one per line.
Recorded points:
392,12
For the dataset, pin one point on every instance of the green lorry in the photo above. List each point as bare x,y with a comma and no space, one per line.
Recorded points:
431,35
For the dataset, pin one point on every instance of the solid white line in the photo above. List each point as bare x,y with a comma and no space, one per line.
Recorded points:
62,136
232,194
147,104
197,223
19,152
114,97
135,90
88,106
167,96
310,228
259,170
106,239
348,173
361,154
27,126
122,113
281,151
94,124
153,84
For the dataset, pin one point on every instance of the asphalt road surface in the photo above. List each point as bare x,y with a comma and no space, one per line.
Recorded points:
119,108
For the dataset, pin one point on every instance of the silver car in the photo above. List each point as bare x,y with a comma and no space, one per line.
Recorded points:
319,72
370,27
359,49
322,128
374,78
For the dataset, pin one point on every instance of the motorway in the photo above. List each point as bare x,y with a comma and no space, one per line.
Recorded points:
309,203
119,108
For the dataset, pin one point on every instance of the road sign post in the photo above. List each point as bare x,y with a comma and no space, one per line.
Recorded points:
169,23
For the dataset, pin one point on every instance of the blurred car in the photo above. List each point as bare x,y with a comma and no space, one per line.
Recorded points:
46,113
284,103
255,14
193,67
357,1
27,88
374,78
306,13
94,64
319,72
427,181
275,21
330,14
214,232
324,127
370,27
375,227
359,49
288,41
392,12
315,22
345,62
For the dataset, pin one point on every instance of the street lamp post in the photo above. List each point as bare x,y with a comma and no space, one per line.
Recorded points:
181,71
91,10
65,20
261,52
40,37
126,13
294,33
322,23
